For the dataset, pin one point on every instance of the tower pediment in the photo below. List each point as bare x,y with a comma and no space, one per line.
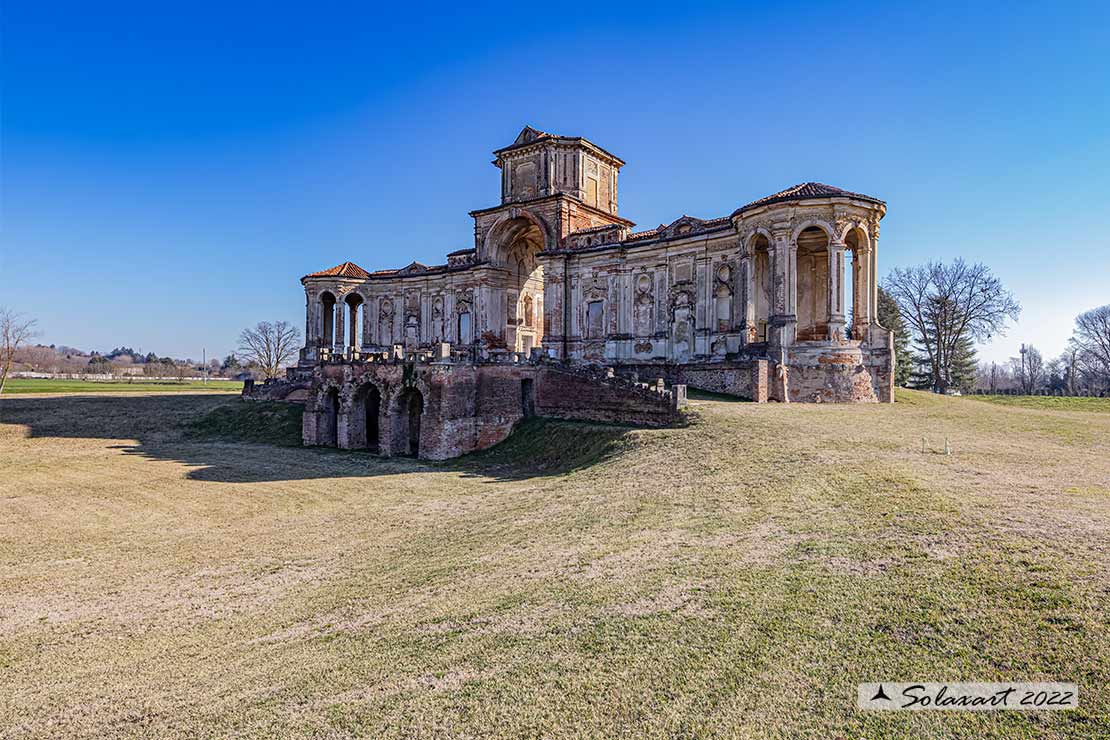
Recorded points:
413,268
528,134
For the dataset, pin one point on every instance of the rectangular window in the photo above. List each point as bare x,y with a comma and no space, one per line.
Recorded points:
724,311
464,328
594,324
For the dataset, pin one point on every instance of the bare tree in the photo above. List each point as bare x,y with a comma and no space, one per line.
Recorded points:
1091,343
15,330
269,346
948,305
1029,369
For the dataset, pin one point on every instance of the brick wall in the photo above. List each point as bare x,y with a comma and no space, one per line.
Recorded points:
744,379
566,394
464,408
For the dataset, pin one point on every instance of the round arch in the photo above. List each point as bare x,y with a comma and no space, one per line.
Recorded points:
814,243
364,425
518,223
327,420
513,245
356,306
758,232
406,413
814,223
862,240
326,302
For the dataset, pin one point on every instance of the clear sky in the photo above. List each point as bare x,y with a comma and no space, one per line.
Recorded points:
170,171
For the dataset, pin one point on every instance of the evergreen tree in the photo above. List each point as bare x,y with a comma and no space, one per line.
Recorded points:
963,366
891,318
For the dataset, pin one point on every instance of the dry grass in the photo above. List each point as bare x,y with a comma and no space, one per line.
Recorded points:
661,583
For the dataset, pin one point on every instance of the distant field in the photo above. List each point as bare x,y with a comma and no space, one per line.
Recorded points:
1062,403
37,385
174,565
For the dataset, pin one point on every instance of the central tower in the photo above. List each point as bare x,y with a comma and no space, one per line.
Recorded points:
540,164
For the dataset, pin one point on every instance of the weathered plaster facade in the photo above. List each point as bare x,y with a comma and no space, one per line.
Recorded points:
755,303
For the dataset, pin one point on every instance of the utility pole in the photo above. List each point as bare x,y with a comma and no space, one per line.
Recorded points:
204,363
1024,385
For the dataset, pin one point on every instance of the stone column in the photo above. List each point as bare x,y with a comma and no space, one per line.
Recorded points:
309,324
861,288
747,299
356,310
367,324
873,277
836,291
784,311
338,331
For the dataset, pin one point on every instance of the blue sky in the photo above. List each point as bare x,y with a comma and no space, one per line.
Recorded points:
170,172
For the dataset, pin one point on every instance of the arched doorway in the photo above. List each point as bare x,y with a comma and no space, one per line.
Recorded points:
813,284
406,422
330,435
856,289
761,285
512,247
365,415
354,308
327,320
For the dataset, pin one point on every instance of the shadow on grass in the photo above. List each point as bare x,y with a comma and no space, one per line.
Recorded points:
699,395
235,441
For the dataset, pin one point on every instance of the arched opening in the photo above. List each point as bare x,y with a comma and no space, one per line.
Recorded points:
406,422
354,303
327,320
514,245
855,284
364,427
761,265
330,436
813,284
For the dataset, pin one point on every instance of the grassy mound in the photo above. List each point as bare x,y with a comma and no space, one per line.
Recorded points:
1053,403
551,447
269,422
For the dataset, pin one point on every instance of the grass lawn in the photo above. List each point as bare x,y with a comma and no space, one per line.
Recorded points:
1063,403
138,385
735,578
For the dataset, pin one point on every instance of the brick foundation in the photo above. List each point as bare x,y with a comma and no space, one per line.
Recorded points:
442,410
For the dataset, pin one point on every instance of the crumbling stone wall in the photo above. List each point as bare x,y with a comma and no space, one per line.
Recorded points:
742,378
565,393
287,389
464,407
844,375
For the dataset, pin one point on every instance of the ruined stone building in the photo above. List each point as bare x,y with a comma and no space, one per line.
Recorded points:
753,303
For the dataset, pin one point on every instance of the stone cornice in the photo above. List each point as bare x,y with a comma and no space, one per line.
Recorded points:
561,142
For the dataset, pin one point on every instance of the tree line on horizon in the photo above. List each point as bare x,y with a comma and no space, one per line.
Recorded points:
939,311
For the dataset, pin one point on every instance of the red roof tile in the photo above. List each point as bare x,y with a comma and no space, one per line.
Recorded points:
804,191
347,270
